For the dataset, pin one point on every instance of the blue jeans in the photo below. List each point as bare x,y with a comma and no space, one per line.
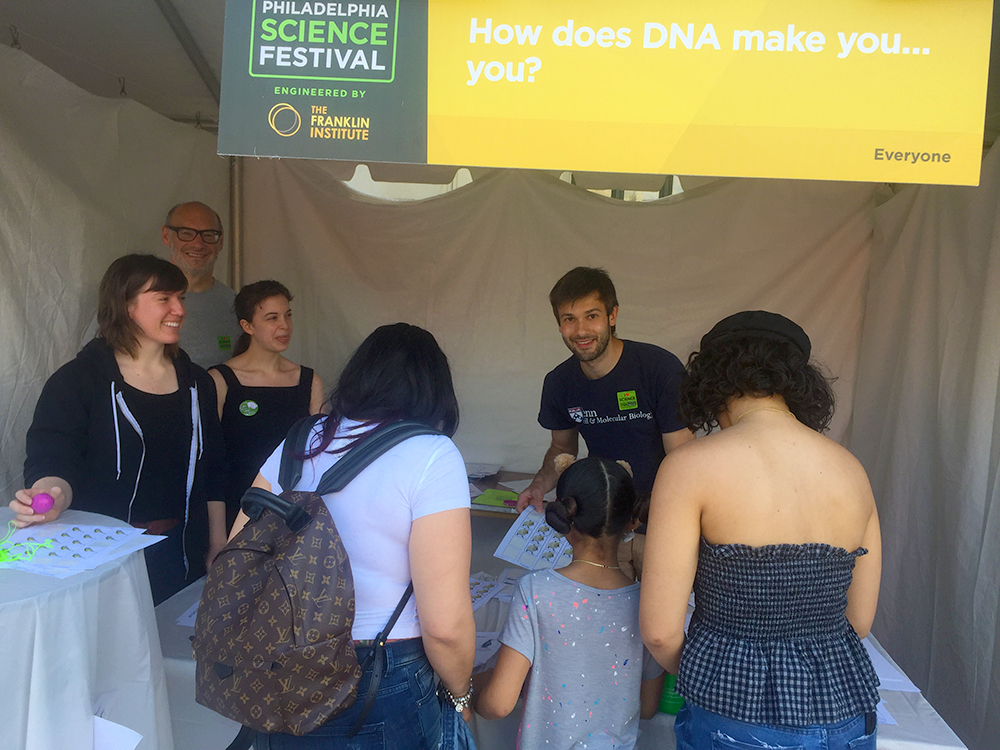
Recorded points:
698,729
406,714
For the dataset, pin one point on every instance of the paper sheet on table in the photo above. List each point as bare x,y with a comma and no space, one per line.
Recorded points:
533,544
474,491
111,736
889,677
73,548
509,578
520,485
883,715
189,617
478,471
487,644
482,591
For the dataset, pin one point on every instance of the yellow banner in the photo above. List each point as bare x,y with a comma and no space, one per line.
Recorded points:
877,90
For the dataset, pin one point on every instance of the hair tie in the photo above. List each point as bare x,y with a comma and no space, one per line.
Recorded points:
559,515
563,461
627,466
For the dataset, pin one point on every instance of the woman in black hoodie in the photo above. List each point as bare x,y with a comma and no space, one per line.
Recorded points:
129,428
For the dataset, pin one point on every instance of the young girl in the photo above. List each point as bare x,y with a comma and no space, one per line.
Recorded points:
576,630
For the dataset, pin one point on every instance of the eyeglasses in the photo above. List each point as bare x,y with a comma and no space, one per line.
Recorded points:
186,234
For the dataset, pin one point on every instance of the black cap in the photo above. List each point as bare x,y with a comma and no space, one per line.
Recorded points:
760,324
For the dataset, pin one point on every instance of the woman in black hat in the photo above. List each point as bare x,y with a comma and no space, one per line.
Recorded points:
775,528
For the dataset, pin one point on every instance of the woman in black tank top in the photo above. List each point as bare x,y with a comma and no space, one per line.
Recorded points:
261,393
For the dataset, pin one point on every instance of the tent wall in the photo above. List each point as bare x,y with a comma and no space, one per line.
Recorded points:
902,301
927,427
82,181
475,267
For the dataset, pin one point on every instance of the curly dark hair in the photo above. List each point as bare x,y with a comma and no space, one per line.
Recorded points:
736,365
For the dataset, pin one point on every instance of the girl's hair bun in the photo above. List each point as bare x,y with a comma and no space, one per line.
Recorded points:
602,495
559,515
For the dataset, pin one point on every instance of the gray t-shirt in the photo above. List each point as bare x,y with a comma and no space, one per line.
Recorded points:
587,661
210,329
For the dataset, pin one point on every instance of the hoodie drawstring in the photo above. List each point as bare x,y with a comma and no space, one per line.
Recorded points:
193,456
118,437
119,399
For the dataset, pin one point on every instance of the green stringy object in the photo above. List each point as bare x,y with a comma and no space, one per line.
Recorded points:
19,551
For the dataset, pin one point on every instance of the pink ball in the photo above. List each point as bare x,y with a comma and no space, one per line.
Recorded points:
42,502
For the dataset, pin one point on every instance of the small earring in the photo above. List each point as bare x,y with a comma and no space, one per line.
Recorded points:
629,535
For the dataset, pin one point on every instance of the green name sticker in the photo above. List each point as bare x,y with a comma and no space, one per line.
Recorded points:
627,400
248,408
225,343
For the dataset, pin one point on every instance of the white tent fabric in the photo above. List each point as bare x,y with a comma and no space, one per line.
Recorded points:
927,427
83,180
475,266
901,301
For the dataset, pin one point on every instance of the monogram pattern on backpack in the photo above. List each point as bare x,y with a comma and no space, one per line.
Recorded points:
273,632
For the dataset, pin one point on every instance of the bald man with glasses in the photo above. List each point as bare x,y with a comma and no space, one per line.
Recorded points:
193,232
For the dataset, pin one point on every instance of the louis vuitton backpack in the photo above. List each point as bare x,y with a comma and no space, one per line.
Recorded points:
273,633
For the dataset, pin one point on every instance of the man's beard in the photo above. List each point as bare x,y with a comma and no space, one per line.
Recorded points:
601,343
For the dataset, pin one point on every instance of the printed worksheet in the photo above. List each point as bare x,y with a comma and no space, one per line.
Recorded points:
533,544
509,578
62,549
482,591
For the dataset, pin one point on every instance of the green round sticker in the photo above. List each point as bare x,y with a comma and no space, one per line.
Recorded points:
248,408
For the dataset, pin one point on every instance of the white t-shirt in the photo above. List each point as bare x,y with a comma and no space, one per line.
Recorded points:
422,475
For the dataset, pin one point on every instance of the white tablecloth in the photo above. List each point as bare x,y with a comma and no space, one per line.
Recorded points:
195,727
77,647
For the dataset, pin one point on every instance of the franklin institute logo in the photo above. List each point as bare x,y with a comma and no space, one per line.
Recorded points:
284,119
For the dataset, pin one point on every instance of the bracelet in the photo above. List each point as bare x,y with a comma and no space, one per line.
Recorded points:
462,702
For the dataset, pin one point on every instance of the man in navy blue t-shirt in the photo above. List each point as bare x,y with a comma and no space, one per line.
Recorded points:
620,395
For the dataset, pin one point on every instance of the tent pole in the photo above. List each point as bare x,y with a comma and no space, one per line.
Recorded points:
236,221
190,47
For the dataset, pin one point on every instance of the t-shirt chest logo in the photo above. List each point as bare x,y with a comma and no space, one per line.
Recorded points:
579,415
627,400
248,408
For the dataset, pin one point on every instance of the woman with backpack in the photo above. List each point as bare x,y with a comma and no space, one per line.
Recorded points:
404,518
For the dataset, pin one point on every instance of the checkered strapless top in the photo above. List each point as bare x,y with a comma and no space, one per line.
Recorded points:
769,642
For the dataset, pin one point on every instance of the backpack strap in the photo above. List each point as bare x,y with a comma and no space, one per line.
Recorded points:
296,443
335,479
376,659
373,445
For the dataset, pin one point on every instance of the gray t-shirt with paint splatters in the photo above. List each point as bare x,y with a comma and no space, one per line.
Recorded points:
587,661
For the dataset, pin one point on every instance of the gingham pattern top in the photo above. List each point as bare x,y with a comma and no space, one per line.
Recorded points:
769,641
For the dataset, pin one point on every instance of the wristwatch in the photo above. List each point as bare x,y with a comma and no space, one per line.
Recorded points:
462,702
